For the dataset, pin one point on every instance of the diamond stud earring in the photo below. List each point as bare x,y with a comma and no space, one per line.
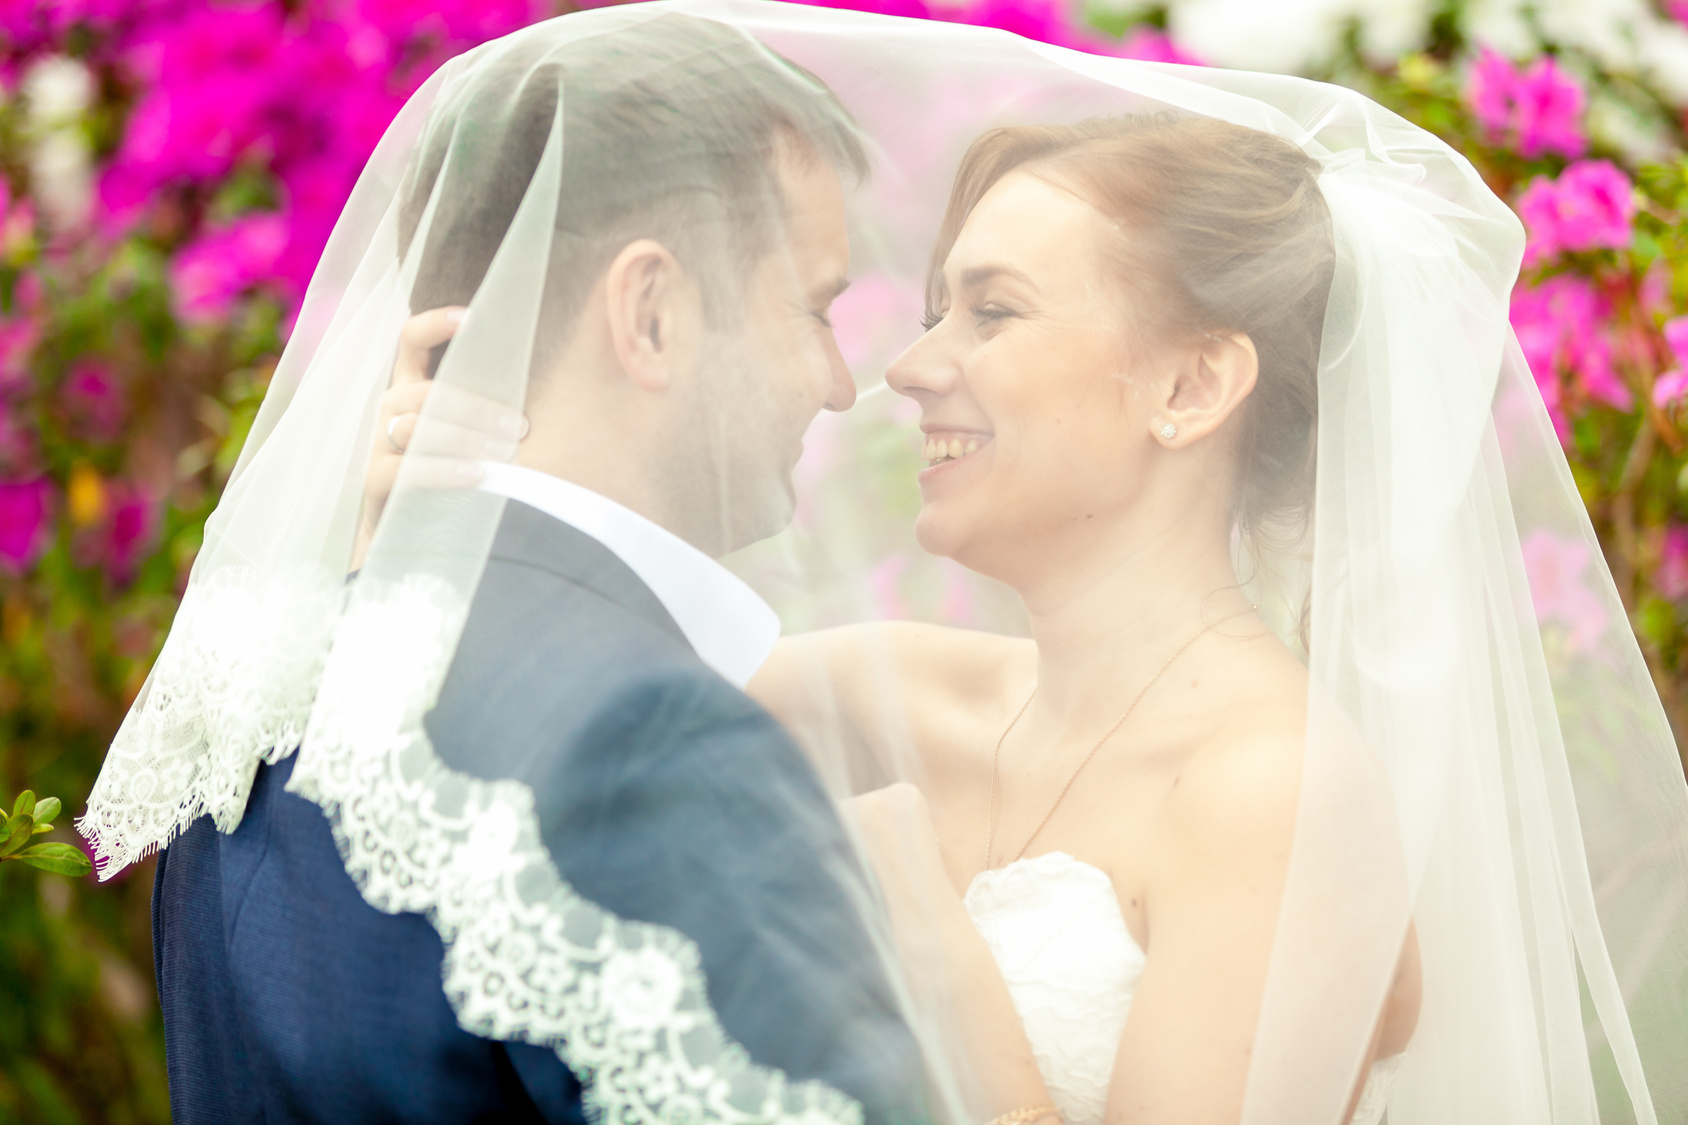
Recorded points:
1169,431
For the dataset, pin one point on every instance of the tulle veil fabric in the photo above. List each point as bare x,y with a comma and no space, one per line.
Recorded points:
1486,755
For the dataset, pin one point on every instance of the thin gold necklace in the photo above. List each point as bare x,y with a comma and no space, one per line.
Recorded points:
996,758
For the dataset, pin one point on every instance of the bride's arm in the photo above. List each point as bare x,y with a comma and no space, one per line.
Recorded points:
1212,901
1212,895
860,697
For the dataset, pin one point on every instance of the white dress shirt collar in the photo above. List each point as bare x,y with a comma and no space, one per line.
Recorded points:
731,628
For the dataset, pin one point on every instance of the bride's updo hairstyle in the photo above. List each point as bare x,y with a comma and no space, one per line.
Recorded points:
1224,230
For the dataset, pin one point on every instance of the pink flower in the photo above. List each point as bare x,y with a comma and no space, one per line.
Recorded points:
1555,568
1560,325
1678,10
1537,110
24,507
1592,204
876,318
208,275
18,337
1676,335
1045,20
1148,44
130,530
1488,91
1670,389
1672,386
1671,577
912,9
95,400
1654,291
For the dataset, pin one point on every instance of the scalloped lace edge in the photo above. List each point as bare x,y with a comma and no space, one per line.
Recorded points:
624,1004
233,686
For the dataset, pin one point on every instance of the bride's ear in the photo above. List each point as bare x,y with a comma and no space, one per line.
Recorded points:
1210,385
653,313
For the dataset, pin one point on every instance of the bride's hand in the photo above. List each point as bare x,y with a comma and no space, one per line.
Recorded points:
463,428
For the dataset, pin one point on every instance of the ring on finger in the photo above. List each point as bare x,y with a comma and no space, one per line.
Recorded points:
392,439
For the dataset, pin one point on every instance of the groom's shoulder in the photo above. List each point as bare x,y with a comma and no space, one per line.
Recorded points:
572,655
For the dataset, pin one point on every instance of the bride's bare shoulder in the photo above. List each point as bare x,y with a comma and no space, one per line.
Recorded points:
1237,789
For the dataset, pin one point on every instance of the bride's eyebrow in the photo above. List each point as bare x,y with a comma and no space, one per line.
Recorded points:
976,276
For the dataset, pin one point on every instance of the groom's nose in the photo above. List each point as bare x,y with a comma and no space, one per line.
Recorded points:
841,393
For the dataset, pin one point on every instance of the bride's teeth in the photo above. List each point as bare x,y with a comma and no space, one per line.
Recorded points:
972,445
955,447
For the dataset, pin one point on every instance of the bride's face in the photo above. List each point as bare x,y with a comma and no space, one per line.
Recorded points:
1036,396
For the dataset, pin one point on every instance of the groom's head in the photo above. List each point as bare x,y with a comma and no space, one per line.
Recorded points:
683,343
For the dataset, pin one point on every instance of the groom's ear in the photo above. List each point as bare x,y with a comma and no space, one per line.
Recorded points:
653,313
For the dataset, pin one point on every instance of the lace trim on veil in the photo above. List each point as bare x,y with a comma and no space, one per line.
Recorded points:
624,1004
233,687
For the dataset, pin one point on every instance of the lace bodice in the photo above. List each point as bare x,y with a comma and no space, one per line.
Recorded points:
1055,927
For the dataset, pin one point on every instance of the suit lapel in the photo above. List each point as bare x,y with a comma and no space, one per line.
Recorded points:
529,537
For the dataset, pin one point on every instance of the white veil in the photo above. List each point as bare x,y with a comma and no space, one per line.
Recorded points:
1486,754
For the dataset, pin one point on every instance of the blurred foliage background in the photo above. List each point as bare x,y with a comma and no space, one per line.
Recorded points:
169,171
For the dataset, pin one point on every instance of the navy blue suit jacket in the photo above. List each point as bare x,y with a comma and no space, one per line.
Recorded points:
664,795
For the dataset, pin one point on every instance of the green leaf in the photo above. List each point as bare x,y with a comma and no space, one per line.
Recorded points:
18,831
25,805
40,828
47,811
60,859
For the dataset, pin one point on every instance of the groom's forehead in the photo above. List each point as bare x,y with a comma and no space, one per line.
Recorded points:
815,224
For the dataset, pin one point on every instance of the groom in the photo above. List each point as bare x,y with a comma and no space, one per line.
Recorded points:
681,356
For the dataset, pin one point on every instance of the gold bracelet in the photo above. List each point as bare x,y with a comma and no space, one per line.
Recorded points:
1026,1116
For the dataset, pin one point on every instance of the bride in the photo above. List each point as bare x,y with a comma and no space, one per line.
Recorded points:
1118,373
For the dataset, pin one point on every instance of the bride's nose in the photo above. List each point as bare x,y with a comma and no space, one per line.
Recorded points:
923,371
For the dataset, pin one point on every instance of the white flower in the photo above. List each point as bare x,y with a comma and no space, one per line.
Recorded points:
58,89
1614,124
1500,24
1607,30
60,164
1391,28
1286,37
1664,56
641,989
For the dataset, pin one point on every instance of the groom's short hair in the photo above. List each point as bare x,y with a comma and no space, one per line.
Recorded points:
672,128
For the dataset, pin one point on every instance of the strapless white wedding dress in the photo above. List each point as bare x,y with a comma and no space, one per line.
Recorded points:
1055,927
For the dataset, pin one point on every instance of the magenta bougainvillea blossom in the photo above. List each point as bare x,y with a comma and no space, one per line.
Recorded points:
1672,386
1535,110
130,529
1561,327
1671,576
1591,205
218,267
94,400
24,510
301,93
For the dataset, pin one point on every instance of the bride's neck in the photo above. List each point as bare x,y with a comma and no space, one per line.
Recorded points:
1108,614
